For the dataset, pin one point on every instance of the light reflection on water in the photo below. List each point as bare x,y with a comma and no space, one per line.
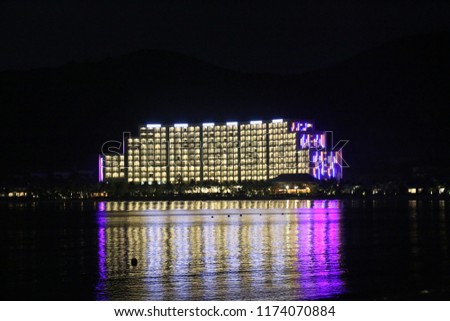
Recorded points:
350,249
277,250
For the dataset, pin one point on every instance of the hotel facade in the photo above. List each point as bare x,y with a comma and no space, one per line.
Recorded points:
222,152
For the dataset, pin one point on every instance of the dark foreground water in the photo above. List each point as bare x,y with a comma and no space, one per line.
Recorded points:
248,250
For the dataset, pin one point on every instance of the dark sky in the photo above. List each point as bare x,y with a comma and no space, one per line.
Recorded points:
289,36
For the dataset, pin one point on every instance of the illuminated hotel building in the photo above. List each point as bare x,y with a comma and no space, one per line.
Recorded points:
222,152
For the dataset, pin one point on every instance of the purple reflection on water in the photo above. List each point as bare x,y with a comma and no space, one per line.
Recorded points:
101,206
194,257
101,252
318,257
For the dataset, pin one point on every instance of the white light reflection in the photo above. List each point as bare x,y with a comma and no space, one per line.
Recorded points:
185,254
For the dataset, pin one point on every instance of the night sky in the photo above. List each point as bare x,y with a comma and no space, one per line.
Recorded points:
74,74
281,36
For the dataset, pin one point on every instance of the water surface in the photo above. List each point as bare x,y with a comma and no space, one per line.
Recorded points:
226,250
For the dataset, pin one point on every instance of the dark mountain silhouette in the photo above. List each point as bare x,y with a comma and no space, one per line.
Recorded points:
389,102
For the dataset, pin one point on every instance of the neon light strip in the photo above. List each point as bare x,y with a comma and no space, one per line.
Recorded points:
277,120
232,123
180,125
153,125
100,168
256,122
208,124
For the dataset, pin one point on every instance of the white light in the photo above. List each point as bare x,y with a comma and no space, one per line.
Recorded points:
277,120
255,122
153,125
232,123
181,125
208,124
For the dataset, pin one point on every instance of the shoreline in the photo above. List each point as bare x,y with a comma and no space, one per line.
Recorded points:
222,198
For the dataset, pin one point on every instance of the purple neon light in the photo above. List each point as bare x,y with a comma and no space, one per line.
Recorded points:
100,168
304,141
300,127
